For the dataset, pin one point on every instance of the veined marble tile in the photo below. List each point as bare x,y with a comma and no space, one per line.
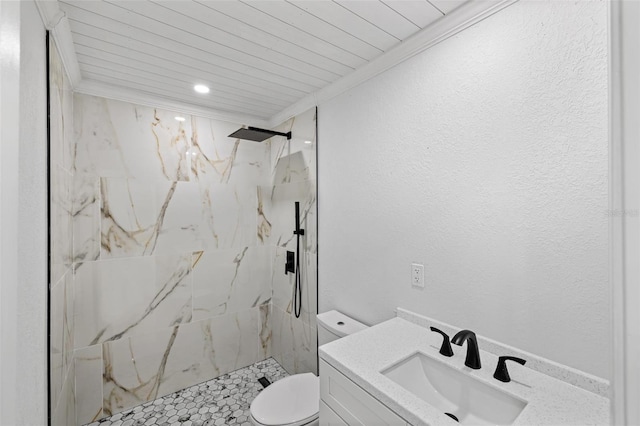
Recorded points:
61,370
263,224
295,160
183,226
278,207
216,158
144,367
61,222
119,139
141,218
121,297
69,323
310,278
64,412
265,333
56,94
58,318
283,285
61,112
133,210
228,215
226,281
294,343
86,217
88,372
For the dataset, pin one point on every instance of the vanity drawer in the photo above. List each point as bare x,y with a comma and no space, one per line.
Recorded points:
351,403
328,417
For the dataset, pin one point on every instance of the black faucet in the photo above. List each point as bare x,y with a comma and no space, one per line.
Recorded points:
473,356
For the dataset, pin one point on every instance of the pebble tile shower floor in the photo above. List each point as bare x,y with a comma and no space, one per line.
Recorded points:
222,401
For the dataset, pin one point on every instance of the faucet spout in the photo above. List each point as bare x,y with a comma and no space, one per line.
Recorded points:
473,355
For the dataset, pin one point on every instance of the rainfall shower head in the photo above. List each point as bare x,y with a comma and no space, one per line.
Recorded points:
257,135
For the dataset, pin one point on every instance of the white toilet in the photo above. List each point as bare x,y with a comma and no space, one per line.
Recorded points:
295,400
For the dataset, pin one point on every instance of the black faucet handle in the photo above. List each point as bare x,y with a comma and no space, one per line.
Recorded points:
501,372
445,349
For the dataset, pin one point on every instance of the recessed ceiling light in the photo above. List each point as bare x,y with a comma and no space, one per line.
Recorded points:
308,142
180,118
201,88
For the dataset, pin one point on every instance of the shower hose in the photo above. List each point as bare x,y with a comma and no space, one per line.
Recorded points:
297,289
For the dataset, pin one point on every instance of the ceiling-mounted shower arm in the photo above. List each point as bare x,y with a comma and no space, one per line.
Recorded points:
273,132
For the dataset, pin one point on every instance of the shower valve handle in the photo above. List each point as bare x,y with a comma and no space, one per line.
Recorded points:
290,265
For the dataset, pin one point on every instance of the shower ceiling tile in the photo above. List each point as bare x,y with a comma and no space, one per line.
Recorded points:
258,57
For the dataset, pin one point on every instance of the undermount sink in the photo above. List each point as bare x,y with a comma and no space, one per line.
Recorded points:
455,392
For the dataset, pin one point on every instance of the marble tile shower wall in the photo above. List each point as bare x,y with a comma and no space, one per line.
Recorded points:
179,236
61,371
171,286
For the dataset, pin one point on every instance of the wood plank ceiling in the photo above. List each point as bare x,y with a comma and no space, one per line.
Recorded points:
258,57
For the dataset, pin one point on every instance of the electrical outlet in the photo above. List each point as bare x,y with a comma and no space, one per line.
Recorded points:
417,275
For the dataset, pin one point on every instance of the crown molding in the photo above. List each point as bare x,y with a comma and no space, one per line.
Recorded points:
458,20
95,88
55,20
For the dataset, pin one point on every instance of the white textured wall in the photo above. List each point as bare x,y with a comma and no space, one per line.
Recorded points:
9,135
31,391
24,225
485,158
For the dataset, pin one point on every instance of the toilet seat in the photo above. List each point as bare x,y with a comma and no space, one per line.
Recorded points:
300,423
292,401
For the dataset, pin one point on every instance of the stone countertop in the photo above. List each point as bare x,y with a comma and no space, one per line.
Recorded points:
362,356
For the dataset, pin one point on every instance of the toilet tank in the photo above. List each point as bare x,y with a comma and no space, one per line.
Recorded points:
333,325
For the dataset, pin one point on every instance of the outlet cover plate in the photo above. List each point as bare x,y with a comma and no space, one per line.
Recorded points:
417,275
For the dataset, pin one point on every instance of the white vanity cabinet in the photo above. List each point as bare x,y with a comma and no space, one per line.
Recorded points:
345,403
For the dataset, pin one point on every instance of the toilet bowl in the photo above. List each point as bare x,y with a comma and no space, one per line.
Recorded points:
292,401
295,400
